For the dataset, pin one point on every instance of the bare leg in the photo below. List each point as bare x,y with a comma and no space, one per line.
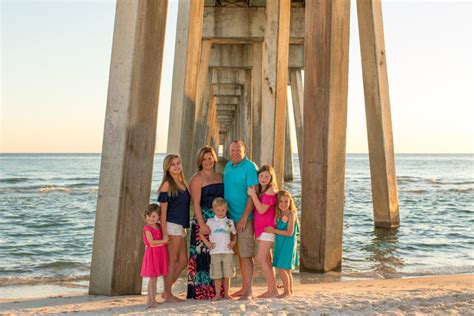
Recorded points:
182,259
174,245
267,270
242,272
218,283
290,277
226,289
286,283
151,297
247,278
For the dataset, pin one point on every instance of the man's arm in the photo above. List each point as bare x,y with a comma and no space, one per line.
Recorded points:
243,220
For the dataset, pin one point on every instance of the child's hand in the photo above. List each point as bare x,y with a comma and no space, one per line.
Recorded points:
269,229
212,245
231,245
251,191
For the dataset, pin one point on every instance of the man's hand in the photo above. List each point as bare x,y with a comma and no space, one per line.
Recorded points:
242,224
251,191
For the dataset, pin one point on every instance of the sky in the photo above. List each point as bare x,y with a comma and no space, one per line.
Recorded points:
55,59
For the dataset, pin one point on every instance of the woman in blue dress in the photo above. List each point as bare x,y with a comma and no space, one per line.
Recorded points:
205,186
285,255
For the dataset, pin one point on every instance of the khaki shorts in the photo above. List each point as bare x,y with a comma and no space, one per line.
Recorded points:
245,246
222,266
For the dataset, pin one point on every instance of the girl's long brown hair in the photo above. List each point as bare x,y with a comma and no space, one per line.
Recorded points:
271,171
173,186
291,207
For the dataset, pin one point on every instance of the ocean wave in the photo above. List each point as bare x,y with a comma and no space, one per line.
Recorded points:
63,265
26,280
14,180
417,191
461,190
449,182
75,187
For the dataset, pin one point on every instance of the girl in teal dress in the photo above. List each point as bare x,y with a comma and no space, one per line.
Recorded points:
285,255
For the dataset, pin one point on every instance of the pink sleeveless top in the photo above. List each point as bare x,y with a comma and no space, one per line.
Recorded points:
266,219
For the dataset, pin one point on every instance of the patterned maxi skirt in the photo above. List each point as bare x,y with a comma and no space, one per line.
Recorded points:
200,285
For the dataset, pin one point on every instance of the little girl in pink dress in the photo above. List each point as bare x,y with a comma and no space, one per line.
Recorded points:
155,258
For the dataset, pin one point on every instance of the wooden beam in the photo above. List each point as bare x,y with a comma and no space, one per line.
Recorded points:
324,143
377,107
128,147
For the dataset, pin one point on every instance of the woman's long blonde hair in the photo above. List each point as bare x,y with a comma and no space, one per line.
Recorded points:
291,207
173,186
271,171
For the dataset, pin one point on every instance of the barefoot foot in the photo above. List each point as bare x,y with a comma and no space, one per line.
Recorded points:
172,299
270,294
263,294
238,293
246,296
285,294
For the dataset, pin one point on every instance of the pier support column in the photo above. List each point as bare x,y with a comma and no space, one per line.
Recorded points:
128,146
256,98
185,70
213,128
296,84
204,90
275,74
246,112
289,169
377,108
324,137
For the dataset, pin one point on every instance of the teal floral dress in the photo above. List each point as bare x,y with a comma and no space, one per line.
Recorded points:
200,285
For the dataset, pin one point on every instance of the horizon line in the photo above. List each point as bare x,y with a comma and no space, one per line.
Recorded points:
90,153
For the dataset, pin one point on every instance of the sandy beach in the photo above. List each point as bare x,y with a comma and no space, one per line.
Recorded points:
442,295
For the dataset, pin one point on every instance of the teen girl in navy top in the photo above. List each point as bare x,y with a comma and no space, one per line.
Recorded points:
174,199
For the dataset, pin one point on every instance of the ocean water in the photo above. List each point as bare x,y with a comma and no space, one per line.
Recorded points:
48,201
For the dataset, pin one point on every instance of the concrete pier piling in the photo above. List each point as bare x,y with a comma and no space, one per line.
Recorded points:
234,60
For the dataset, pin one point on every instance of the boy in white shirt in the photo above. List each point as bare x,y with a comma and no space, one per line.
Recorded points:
222,239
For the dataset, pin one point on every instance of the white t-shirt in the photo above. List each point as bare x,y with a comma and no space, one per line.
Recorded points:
220,234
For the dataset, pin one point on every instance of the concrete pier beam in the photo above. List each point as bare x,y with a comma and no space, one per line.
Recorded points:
324,142
377,107
289,166
128,146
297,94
185,71
204,90
257,79
275,75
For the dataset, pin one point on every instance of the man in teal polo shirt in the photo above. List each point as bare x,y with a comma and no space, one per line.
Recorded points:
240,173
